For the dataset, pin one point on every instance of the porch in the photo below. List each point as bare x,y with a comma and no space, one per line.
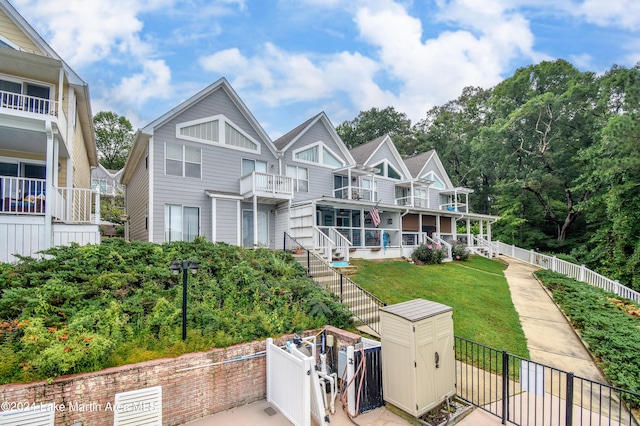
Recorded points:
33,219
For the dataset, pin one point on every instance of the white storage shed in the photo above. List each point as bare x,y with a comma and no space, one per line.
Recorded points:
418,358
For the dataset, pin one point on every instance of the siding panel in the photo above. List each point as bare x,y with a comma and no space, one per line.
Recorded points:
137,196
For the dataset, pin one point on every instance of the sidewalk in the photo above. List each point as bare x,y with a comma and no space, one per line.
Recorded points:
550,338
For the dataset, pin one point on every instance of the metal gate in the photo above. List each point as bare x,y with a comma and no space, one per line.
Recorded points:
370,395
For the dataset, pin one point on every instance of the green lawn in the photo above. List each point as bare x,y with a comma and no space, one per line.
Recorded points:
476,290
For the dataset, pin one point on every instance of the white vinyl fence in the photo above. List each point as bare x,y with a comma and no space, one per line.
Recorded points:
577,272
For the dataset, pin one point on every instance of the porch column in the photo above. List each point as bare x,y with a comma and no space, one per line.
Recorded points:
438,226
468,231
349,190
454,228
488,231
255,220
50,197
412,196
481,230
214,229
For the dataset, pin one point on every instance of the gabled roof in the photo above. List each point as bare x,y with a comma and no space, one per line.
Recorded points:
417,164
364,152
142,135
286,141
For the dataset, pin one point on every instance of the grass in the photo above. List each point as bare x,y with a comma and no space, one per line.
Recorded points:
476,290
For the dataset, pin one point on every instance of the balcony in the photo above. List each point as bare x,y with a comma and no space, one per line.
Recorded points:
266,186
24,197
355,193
33,107
454,207
413,202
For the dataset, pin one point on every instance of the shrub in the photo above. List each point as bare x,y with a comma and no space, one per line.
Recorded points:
429,254
459,251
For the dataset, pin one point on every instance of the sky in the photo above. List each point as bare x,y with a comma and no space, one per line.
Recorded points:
291,59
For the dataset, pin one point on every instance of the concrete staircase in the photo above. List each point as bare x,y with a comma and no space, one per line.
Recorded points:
363,305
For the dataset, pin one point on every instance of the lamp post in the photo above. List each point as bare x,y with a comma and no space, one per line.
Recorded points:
184,266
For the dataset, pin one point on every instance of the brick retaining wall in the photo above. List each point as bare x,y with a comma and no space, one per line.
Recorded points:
187,394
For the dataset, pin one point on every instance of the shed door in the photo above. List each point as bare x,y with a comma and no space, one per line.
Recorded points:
425,365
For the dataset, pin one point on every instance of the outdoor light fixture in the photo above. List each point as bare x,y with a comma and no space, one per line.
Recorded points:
184,266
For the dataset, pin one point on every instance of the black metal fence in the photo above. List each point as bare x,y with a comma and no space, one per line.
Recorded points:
362,304
524,392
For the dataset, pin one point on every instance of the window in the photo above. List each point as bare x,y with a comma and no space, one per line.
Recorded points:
387,170
437,183
340,186
247,228
235,138
300,177
207,131
319,154
217,130
181,223
100,185
249,166
183,161
36,99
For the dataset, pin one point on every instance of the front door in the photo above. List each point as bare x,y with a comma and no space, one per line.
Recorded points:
247,228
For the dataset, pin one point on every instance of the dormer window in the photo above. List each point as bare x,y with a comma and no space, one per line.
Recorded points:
318,153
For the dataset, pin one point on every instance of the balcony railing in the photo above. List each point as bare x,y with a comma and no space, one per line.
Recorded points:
355,193
266,185
454,207
20,102
21,196
412,202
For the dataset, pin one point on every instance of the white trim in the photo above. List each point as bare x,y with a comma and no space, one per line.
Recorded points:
22,81
214,212
225,196
435,179
184,160
320,162
239,223
11,43
385,171
222,122
151,177
164,228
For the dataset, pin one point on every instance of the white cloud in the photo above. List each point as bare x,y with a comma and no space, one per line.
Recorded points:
277,77
436,70
617,13
87,31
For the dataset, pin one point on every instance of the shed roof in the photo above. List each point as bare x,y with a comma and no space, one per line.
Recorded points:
417,309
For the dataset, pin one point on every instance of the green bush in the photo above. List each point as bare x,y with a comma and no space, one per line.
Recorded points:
429,254
608,324
86,308
459,251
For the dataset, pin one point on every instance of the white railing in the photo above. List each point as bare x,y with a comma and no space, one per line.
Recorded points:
266,184
577,272
454,207
22,196
412,201
355,193
478,241
323,244
76,205
439,241
342,243
20,102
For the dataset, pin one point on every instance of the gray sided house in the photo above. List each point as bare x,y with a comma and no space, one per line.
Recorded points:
207,168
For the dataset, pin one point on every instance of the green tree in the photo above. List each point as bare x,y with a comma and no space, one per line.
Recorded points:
613,174
547,116
114,136
450,129
374,123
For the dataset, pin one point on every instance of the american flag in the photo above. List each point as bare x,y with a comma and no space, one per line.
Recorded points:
375,217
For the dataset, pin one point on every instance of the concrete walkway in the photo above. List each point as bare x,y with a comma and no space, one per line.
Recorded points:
550,338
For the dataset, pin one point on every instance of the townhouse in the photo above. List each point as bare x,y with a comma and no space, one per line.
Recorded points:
47,146
207,168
